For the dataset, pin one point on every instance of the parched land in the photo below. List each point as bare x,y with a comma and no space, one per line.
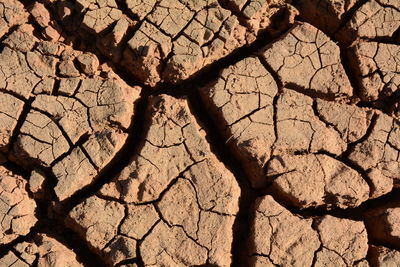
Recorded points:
200,133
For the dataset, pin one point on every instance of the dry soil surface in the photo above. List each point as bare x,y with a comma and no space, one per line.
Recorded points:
200,133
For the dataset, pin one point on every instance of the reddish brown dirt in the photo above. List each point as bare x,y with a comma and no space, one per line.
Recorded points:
200,133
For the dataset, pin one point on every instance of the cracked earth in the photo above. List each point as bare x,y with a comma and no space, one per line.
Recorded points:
200,133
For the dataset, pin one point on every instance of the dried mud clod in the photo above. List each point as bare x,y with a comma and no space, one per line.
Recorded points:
17,207
72,122
168,41
322,241
199,133
175,200
43,251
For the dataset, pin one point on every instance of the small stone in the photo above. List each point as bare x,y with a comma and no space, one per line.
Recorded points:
67,68
40,14
51,34
36,183
89,63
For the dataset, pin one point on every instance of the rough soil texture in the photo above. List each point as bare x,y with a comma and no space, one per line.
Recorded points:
200,133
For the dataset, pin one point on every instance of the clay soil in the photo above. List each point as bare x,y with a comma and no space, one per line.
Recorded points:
200,133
